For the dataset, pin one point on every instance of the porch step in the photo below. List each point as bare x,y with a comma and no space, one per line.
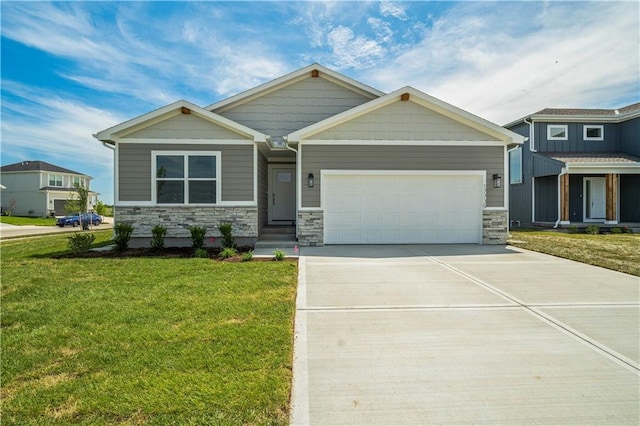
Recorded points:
277,237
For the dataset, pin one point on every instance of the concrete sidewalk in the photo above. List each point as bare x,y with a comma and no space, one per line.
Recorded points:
463,335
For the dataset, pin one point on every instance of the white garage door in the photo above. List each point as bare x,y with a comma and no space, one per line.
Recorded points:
399,208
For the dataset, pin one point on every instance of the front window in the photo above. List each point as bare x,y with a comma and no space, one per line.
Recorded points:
55,180
515,165
186,178
593,133
557,132
77,180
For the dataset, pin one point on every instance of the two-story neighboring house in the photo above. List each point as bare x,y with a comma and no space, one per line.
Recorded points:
579,166
37,188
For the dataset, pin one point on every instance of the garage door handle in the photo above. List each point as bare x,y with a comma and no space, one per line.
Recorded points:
273,198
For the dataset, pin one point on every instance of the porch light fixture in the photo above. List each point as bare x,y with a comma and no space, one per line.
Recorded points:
497,181
311,180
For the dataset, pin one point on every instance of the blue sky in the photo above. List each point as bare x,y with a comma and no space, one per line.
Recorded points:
71,69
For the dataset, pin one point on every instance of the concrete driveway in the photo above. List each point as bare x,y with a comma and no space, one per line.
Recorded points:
463,334
8,231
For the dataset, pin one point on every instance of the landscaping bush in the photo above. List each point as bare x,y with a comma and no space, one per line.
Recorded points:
200,252
81,243
627,230
228,240
616,230
159,232
198,234
247,256
573,229
227,252
278,255
122,236
592,230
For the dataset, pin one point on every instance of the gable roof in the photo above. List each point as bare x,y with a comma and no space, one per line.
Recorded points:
28,166
583,114
111,134
291,78
420,98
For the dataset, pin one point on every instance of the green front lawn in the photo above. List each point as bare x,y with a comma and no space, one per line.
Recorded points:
143,340
38,221
620,252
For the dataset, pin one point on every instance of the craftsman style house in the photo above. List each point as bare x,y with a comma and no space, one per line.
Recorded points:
340,161
39,189
579,167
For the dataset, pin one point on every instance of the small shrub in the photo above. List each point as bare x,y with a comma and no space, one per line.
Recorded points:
593,230
159,232
81,243
278,255
201,253
616,230
573,229
247,256
627,230
122,236
228,240
227,252
198,234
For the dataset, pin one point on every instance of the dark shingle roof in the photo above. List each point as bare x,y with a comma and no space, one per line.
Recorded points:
26,166
595,112
593,157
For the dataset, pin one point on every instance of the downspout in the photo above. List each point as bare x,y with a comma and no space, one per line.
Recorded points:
531,135
563,172
298,179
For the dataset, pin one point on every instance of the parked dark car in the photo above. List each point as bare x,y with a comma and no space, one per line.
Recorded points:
74,220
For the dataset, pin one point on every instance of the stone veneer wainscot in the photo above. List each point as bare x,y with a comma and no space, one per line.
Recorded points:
494,227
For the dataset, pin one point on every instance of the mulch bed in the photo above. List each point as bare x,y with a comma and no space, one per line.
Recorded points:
167,252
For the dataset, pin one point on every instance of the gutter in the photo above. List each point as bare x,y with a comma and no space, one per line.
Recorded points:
104,143
531,135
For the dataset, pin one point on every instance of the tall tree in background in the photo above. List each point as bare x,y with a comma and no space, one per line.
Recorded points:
78,202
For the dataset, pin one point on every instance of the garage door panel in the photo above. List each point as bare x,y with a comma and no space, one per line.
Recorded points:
394,209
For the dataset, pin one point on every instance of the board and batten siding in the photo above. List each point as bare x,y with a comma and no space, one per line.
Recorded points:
185,126
373,157
134,163
294,107
403,121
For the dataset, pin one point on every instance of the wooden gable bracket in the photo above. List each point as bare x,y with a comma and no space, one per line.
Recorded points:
315,73
186,110
404,97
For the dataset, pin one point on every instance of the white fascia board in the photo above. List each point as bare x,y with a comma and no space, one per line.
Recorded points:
382,142
577,118
158,141
171,110
419,98
289,79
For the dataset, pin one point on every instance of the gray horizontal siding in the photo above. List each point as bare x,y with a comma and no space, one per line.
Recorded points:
294,107
403,121
134,163
185,126
324,157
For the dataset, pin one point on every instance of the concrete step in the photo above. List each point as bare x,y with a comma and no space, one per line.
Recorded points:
277,229
275,244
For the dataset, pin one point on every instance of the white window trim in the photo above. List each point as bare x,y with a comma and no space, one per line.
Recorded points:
592,126
566,132
185,179
518,150
55,180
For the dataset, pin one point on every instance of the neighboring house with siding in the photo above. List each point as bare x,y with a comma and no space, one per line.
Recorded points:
579,167
38,188
340,161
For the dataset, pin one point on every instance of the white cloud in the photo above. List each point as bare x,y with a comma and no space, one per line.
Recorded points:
351,51
390,8
552,55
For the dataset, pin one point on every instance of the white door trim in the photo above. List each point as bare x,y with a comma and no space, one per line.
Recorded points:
270,194
586,199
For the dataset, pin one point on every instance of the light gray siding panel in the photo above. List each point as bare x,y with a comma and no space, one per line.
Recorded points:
185,126
349,157
134,162
295,106
403,121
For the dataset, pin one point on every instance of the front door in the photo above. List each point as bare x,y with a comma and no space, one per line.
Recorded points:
282,194
594,199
